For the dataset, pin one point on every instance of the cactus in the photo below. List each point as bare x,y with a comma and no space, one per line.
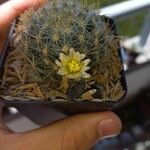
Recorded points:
63,50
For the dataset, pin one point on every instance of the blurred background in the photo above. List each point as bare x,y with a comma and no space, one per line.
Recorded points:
129,26
132,19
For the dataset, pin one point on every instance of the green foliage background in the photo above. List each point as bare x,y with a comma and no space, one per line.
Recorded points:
128,27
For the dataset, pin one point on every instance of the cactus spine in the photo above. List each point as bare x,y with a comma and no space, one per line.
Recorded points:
58,37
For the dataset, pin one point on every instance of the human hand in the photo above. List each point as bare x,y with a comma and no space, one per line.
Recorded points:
73,133
10,10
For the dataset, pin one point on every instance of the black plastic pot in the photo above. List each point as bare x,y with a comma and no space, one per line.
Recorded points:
34,108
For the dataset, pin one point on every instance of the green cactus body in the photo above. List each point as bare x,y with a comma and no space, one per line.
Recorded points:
65,51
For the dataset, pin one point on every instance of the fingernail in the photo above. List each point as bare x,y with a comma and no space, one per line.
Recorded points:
107,128
108,137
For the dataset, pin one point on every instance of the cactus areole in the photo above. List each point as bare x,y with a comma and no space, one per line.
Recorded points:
64,52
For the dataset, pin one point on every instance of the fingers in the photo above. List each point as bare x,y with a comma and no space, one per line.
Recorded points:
12,9
75,133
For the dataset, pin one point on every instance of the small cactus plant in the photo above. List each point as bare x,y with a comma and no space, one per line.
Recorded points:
63,51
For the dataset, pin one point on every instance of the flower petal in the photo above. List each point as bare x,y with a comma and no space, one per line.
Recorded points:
63,58
71,52
73,56
58,63
74,76
62,72
77,56
82,56
86,75
85,68
86,62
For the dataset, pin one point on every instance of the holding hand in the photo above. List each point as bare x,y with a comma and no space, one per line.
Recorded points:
74,133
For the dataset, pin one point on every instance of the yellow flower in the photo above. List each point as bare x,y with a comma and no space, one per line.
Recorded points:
73,65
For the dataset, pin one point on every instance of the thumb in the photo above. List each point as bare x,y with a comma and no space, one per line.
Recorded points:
75,133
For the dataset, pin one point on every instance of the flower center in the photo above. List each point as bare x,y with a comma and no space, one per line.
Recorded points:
73,66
